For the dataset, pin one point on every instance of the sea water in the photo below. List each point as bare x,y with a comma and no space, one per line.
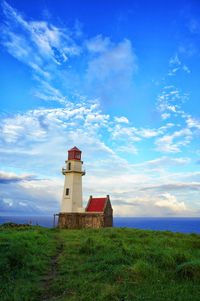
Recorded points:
174,224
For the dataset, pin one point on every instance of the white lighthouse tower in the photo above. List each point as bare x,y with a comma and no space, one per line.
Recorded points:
72,194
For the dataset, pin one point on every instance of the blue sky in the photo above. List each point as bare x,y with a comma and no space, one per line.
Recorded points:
118,79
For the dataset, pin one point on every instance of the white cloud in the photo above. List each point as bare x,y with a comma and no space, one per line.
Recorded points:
9,177
130,148
121,119
148,133
148,205
193,123
166,143
8,201
174,92
22,204
186,69
170,101
96,117
118,59
188,49
175,60
165,116
98,44
163,106
123,133
50,41
167,126
112,70
172,184
46,133
170,202
41,46
163,163
173,71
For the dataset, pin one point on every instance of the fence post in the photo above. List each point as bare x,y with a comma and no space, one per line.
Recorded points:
54,221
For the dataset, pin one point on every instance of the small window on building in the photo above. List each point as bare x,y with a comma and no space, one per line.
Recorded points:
69,166
67,191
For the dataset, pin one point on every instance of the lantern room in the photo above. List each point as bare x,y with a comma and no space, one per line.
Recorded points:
74,154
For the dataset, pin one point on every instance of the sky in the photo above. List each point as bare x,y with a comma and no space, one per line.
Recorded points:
119,80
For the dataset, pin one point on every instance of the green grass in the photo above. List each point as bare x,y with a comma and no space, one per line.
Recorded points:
98,264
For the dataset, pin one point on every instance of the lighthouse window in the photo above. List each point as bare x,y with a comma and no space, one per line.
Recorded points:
67,191
69,166
77,155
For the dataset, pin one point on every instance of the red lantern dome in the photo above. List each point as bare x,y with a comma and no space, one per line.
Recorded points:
74,154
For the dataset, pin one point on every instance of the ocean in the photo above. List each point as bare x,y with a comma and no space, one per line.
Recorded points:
174,224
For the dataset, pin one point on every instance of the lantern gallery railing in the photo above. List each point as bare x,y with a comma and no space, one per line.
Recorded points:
64,170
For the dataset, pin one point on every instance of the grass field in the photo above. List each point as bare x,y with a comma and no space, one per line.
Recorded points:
98,264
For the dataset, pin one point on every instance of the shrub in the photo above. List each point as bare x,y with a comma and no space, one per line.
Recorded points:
180,256
196,244
189,270
143,269
88,246
161,258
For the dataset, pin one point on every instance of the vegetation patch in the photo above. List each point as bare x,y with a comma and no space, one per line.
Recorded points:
98,264
189,270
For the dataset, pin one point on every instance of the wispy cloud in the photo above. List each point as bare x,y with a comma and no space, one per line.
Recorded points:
121,119
192,122
165,116
40,45
174,61
43,40
186,69
174,186
7,178
148,133
111,68
163,163
194,25
121,132
99,44
128,148
166,144
176,65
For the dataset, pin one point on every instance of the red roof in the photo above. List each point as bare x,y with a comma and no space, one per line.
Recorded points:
74,149
96,205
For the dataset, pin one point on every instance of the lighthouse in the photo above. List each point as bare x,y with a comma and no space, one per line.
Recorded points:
72,193
98,212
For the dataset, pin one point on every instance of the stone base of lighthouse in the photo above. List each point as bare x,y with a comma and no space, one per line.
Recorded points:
84,220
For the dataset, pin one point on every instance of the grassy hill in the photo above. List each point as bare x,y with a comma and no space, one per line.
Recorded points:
98,264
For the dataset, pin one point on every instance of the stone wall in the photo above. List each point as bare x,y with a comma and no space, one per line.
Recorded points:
108,221
83,220
108,215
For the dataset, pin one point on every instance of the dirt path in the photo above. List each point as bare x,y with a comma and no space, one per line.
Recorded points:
51,276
